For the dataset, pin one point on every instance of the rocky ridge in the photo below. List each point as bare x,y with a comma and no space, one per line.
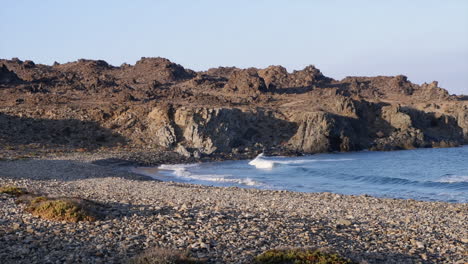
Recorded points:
159,105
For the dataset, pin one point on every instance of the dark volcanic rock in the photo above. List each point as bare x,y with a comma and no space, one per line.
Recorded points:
7,76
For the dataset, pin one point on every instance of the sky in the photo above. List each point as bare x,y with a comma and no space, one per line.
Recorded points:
425,40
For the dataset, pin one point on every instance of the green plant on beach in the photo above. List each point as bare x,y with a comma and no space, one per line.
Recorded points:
13,190
299,256
61,209
164,256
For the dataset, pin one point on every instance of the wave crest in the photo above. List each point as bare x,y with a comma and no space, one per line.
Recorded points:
453,179
261,161
180,171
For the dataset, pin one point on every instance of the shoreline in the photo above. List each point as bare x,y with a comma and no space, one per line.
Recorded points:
223,224
176,172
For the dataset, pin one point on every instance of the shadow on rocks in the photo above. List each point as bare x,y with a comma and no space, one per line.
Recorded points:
74,133
64,170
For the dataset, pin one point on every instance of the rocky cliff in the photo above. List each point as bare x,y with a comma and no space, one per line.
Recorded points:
159,105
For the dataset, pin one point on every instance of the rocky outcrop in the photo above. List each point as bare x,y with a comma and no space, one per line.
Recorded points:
461,115
410,128
221,130
393,87
323,132
7,76
431,92
157,69
246,82
277,77
210,130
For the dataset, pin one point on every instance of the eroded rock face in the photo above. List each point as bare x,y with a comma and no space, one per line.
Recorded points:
161,127
411,128
210,130
323,132
462,119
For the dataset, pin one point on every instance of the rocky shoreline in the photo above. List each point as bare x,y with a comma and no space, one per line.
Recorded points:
222,225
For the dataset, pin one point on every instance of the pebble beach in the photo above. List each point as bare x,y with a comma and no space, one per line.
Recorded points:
218,224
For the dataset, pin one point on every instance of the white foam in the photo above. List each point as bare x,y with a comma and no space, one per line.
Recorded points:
261,162
454,179
176,166
180,171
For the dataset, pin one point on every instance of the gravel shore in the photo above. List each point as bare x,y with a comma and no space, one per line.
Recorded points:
224,225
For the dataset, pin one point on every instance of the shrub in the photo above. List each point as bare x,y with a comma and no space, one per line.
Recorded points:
299,256
13,190
63,209
164,256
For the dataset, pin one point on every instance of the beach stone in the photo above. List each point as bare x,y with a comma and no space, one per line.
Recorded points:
343,222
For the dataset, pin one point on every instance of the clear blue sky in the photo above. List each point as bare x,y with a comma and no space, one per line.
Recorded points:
423,39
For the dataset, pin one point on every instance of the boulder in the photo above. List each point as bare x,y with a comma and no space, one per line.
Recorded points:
246,82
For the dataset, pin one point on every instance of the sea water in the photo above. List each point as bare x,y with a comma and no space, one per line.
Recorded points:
422,174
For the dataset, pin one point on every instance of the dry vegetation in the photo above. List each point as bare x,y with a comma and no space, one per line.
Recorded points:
57,209
62,209
13,190
299,256
164,256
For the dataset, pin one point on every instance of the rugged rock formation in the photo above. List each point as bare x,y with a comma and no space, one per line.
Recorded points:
246,82
210,130
157,104
156,69
277,77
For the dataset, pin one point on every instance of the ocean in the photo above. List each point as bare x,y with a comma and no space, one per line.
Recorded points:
422,174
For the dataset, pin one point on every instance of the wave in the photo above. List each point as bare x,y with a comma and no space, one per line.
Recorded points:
263,162
180,171
453,182
453,179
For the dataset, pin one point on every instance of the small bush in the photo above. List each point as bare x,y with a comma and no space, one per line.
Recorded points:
13,190
63,209
299,256
164,256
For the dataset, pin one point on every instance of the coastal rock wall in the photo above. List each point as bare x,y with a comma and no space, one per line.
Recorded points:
324,132
209,130
224,130
462,119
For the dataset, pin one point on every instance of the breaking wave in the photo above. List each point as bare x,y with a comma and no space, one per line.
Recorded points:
453,179
180,171
263,162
